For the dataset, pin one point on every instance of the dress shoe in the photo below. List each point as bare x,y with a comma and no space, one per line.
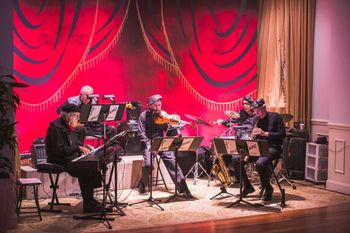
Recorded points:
247,190
188,194
91,207
268,194
142,188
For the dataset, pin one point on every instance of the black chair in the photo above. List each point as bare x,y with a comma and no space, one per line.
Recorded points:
275,178
21,184
54,171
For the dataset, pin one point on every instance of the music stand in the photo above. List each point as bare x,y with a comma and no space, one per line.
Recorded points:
244,148
103,113
150,199
176,144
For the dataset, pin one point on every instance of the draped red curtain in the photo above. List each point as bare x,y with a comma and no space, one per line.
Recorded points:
200,55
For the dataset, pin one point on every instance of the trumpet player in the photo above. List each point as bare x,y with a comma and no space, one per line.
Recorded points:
268,126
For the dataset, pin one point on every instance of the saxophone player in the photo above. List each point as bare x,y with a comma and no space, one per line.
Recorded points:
270,127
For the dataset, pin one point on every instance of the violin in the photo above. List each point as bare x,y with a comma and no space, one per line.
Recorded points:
172,119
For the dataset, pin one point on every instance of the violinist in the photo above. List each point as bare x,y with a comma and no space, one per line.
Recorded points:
147,130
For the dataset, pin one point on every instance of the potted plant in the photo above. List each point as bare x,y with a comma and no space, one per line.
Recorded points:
9,101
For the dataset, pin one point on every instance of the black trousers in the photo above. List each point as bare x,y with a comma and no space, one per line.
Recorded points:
263,167
88,181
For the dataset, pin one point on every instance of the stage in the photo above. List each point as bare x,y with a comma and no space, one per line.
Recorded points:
179,212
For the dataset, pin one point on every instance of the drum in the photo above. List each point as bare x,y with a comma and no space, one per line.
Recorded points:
244,134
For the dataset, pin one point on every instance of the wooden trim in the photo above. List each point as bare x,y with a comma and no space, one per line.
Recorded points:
337,126
319,122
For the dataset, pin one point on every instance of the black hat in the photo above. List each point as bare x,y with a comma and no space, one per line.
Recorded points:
154,98
70,108
248,99
258,103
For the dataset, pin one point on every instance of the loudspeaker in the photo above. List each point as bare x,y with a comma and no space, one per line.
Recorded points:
133,146
38,152
294,153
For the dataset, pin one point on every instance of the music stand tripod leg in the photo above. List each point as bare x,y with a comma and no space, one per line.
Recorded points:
150,199
176,168
240,200
117,204
223,191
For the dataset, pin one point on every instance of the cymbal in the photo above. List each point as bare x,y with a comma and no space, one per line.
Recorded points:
232,114
286,117
198,120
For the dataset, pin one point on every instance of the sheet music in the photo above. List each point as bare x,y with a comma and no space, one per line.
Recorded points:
253,148
231,147
113,109
165,145
94,113
186,144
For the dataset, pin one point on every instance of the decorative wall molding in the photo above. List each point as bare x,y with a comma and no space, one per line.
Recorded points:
318,127
338,157
319,122
337,126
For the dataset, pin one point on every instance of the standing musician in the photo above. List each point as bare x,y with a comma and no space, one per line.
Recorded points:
147,130
62,146
268,126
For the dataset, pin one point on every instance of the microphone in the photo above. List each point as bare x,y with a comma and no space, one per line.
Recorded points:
109,97
94,97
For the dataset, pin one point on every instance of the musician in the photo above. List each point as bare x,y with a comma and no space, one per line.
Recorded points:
62,146
147,130
268,126
244,115
90,128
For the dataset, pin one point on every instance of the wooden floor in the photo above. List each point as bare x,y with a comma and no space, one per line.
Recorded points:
318,220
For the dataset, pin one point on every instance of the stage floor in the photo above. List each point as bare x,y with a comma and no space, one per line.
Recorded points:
178,211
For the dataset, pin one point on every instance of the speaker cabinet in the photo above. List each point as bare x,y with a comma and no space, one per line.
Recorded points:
133,146
38,153
294,153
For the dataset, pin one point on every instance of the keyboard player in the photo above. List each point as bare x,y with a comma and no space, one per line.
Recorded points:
62,147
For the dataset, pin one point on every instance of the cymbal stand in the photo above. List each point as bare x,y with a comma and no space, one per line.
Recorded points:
196,166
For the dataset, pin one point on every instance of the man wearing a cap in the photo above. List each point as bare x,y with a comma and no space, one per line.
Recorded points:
268,126
244,114
147,130
62,146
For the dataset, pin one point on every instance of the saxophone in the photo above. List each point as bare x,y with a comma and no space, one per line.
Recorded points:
221,172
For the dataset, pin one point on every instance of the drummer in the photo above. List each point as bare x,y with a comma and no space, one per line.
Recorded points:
242,117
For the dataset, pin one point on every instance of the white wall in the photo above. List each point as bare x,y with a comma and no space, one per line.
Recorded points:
331,87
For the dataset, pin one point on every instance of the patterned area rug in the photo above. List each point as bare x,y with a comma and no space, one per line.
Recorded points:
143,215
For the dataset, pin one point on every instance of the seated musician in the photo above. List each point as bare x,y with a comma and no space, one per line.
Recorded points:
243,116
268,126
148,129
90,128
62,146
